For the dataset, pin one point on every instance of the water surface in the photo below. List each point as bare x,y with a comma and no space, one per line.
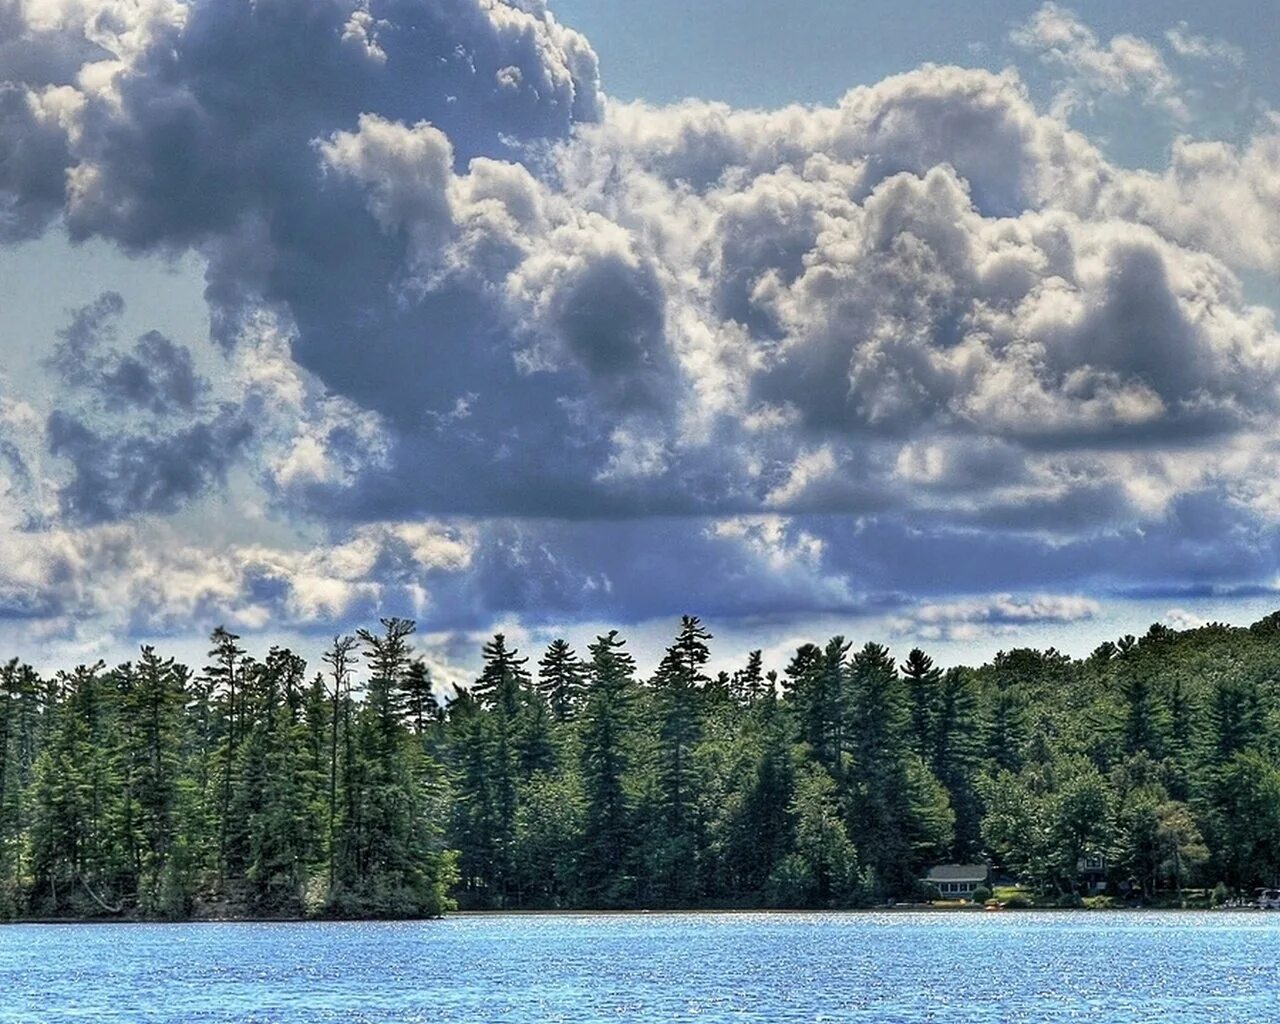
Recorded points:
1116,968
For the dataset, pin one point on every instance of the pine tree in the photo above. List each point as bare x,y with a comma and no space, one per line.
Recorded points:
421,708
879,731
339,658
817,687
503,680
152,703
606,721
492,751
677,686
224,676
1006,733
750,683
388,656
923,681
561,680
764,832
956,756
1142,723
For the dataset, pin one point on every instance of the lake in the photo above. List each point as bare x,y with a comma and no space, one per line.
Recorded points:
1211,968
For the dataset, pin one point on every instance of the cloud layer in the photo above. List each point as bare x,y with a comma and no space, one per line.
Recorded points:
489,343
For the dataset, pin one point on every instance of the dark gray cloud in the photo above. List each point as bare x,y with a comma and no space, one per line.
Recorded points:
77,358
132,425
157,376
115,475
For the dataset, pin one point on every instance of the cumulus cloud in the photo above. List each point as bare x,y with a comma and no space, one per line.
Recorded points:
1215,196
1124,66
791,350
146,575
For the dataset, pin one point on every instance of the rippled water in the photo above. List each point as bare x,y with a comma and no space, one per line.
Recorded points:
1216,968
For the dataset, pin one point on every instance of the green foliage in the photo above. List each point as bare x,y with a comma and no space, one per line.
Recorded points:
822,840
1138,774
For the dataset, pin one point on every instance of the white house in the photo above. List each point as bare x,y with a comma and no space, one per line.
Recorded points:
958,881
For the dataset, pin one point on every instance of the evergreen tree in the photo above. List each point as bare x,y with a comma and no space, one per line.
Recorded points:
152,700
607,720
923,681
561,680
817,688
677,685
339,658
956,756
1142,723
421,708
749,683
223,675
1006,734
879,730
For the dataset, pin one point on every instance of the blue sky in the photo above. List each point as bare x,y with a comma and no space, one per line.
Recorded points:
917,322
665,50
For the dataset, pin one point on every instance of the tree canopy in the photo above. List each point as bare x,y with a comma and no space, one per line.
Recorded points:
254,786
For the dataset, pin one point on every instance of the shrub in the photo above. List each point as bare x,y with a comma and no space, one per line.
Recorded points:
1220,894
1019,901
981,894
791,883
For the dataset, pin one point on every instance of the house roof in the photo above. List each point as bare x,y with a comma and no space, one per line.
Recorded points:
958,873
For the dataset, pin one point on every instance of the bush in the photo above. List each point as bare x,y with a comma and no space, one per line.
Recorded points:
927,892
1220,894
981,894
791,883
1069,901
1019,901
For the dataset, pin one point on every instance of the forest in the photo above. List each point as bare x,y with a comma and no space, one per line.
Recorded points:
364,787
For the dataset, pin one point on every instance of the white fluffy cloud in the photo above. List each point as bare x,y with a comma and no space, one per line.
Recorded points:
1125,66
998,613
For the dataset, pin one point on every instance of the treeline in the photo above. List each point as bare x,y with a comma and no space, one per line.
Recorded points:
257,788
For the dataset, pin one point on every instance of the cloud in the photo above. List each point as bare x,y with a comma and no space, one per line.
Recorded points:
1180,618
994,615
822,358
1214,196
131,425
145,576
113,477
157,376
1188,44
1125,66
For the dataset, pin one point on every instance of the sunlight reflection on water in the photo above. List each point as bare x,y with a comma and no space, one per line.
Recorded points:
1117,968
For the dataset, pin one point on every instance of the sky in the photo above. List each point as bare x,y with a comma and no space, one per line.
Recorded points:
938,324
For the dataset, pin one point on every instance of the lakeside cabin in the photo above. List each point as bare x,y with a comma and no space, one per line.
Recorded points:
958,881
1092,868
